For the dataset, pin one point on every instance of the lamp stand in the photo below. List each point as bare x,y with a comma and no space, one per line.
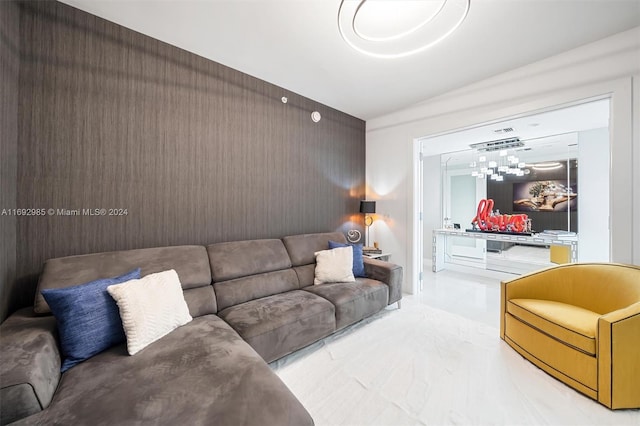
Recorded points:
368,221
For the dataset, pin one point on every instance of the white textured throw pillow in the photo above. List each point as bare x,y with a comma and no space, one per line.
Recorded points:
334,266
150,308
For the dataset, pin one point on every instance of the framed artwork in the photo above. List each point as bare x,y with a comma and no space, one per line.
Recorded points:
545,196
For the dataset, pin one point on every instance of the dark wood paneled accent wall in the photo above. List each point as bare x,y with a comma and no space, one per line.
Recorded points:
194,151
9,67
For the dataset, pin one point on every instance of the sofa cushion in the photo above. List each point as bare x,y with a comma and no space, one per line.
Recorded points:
190,262
243,258
248,270
280,324
569,324
358,262
302,248
306,274
88,318
201,374
334,266
353,301
200,300
150,308
240,290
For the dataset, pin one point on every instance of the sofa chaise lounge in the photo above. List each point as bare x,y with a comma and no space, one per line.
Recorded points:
252,302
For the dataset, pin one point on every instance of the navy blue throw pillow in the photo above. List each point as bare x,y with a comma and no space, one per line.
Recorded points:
88,318
358,263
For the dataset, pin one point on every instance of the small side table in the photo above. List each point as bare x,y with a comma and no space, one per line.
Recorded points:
380,256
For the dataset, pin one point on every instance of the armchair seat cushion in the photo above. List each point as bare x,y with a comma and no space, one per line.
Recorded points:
569,324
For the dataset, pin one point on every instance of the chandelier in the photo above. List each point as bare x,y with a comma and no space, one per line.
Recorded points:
494,160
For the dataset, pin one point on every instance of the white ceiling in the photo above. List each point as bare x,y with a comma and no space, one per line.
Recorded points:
548,135
295,44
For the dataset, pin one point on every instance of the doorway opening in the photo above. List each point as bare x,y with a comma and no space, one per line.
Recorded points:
562,151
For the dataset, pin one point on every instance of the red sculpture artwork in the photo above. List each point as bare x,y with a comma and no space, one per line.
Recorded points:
488,220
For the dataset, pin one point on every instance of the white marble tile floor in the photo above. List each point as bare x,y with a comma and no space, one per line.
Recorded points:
437,361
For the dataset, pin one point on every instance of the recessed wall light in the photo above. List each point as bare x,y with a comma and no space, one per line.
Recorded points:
315,116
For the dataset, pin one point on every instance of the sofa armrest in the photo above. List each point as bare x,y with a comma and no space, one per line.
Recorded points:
619,358
30,364
388,273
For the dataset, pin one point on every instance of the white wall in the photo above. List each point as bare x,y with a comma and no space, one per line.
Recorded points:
432,199
606,68
593,196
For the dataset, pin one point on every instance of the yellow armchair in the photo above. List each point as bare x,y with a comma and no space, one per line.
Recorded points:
580,323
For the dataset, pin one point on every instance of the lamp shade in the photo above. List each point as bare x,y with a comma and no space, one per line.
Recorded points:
367,206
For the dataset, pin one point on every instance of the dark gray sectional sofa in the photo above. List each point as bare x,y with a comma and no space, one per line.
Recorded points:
252,302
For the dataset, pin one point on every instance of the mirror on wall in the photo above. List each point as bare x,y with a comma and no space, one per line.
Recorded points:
536,177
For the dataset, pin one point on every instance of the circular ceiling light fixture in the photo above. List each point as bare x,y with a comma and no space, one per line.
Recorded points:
397,28
549,165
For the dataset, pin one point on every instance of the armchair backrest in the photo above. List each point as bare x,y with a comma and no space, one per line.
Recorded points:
598,287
